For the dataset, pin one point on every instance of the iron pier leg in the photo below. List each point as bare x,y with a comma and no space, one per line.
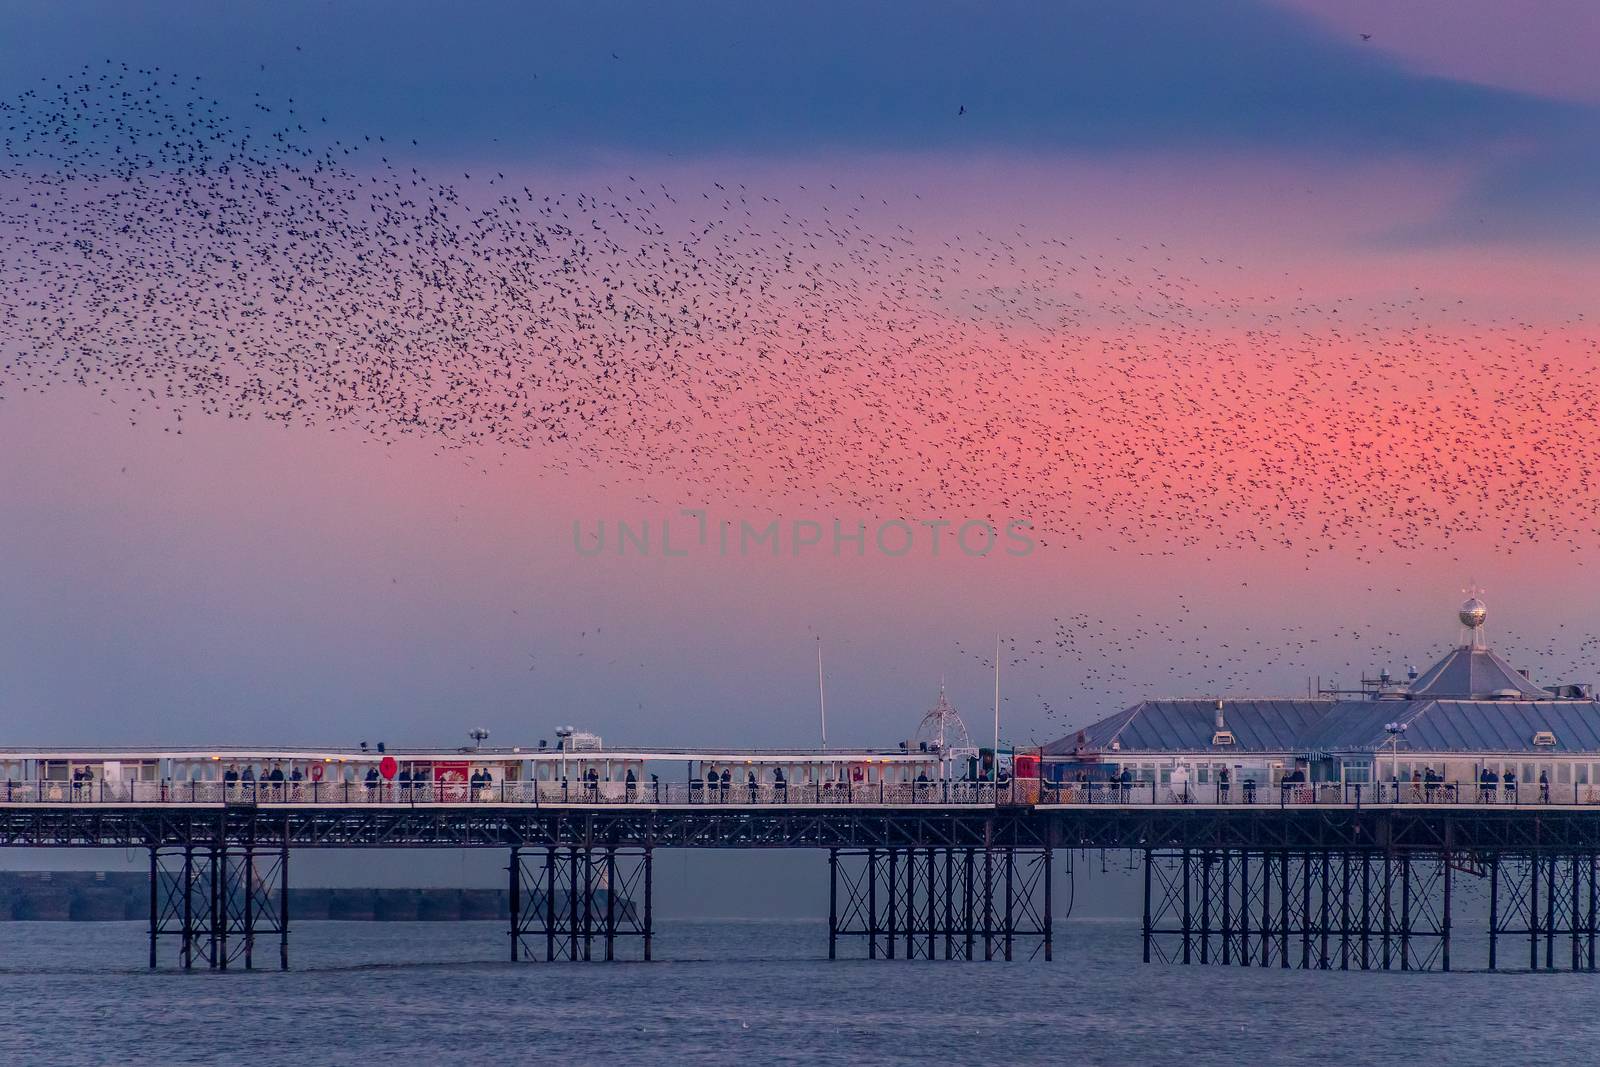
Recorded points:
933,923
1577,877
283,906
1188,916
249,878
1366,911
1284,888
1494,907
988,904
1589,925
968,902
516,901
1227,912
155,903
1148,860
1533,915
913,905
1010,919
1266,910
218,949
1305,911
1550,915
224,908
1344,911
1405,911
649,889
588,904
188,907
550,904
576,927
1388,905
611,904
1205,906
1049,912
894,887
1444,933
1327,861
833,903
1244,909
949,903
872,903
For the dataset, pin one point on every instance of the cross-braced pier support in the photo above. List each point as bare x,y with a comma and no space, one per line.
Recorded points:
1543,910
941,903
580,903
216,903
1326,909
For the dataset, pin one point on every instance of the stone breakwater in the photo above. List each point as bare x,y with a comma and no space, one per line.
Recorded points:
118,896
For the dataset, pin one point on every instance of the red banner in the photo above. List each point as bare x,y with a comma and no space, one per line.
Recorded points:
452,780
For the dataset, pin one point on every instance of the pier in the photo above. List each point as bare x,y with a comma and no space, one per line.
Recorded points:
1290,881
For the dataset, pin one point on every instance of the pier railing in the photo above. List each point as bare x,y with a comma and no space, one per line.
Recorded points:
1319,794
1023,792
574,792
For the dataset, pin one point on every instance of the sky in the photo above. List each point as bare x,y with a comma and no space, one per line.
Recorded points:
1325,363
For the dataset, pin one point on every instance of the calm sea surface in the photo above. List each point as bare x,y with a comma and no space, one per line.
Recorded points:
750,992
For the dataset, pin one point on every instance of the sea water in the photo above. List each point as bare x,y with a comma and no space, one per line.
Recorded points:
753,992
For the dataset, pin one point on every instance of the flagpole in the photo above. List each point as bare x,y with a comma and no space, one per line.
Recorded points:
997,718
822,698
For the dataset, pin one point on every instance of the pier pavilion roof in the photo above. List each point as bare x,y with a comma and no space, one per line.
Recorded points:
1190,726
1307,727
1471,700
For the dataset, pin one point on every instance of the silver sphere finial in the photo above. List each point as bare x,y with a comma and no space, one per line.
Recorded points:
1473,612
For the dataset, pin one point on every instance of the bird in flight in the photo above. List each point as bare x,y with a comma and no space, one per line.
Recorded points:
963,110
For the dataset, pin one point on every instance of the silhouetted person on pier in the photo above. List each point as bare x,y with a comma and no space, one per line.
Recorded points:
630,785
1223,781
726,781
750,781
1544,787
1486,785
780,784
1125,782
1511,784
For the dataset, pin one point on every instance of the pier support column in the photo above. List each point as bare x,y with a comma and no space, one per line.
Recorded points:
902,903
1286,908
561,903
833,903
514,869
180,903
